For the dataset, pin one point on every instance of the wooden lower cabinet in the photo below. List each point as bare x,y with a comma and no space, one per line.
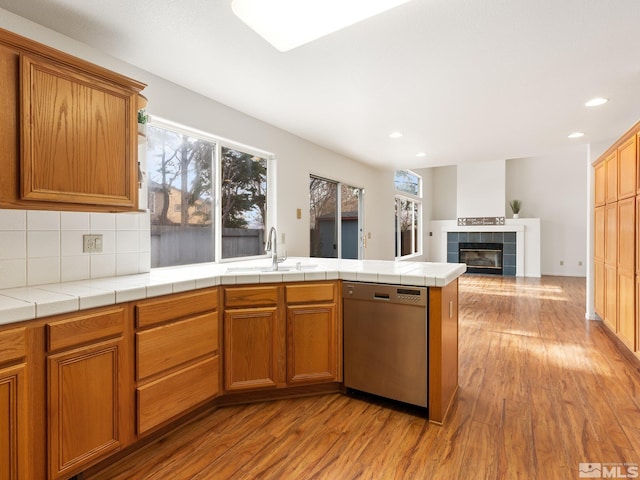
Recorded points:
311,344
177,356
251,347
85,394
313,333
84,397
282,335
13,423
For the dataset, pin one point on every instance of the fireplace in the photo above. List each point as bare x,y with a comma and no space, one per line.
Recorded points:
481,257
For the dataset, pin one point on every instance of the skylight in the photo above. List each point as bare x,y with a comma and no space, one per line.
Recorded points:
287,24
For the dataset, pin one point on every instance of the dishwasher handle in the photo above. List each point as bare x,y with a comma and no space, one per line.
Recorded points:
381,296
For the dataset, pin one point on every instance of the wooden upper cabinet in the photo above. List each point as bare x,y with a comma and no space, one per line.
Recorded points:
600,190
627,165
611,166
77,136
69,136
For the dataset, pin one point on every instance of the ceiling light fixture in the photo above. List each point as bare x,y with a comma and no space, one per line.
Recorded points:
576,135
421,154
596,102
287,24
396,135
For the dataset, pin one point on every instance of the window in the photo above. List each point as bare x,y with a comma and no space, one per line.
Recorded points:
244,203
408,214
187,172
336,229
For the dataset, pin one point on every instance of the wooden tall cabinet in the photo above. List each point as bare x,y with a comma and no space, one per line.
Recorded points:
616,246
85,391
69,136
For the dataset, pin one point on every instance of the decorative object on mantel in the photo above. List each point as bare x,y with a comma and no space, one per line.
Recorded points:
473,221
515,207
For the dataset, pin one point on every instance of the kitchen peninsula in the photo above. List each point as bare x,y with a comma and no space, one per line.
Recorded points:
95,367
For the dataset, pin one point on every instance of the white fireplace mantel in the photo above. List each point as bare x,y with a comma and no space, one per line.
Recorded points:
527,241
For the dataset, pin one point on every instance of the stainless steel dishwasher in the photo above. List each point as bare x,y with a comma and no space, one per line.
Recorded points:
385,341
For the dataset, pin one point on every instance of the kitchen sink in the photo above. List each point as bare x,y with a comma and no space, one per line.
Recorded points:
281,268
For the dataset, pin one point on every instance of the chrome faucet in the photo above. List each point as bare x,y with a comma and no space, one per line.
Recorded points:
272,248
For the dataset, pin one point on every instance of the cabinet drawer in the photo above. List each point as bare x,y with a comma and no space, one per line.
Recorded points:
84,328
250,296
313,292
171,345
13,344
151,312
174,394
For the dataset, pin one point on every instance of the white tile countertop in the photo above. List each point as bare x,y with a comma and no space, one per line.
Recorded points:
26,303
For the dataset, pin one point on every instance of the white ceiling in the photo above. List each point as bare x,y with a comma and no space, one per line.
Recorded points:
463,80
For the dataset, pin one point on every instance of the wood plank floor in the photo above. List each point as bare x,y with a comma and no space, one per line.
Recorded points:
541,390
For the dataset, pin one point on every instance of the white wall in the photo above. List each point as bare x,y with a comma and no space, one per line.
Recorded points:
481,189
296,158
444,193
554,188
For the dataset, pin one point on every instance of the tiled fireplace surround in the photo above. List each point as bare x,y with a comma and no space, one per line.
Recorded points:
508,239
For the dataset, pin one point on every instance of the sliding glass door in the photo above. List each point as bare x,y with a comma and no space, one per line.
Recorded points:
336,229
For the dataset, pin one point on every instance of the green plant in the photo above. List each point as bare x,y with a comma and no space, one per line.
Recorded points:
515,206
142,116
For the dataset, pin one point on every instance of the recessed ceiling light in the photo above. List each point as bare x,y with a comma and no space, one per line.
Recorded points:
287,24
396,135
576,135
595,102
421,154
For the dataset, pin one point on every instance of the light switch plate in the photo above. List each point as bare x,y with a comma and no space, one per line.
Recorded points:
92,243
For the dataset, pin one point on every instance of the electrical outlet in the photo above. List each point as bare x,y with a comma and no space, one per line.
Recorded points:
92,243
579,264
561,262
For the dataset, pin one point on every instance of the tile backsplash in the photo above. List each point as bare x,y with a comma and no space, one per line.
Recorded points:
38,247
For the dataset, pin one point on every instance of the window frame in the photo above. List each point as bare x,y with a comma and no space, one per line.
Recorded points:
221,142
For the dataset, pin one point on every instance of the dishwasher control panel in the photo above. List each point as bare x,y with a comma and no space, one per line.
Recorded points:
385,293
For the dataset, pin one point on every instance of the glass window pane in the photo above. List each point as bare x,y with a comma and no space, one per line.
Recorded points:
406,227
407,182
349,214
180,197
244,203
323,204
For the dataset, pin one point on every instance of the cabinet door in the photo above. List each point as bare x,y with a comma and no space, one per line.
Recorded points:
600,187
83,397
612,177
600,233
627,168
627,234
13,424
78,137
250,348
600,291
311,343
611,234
611,297
626,308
